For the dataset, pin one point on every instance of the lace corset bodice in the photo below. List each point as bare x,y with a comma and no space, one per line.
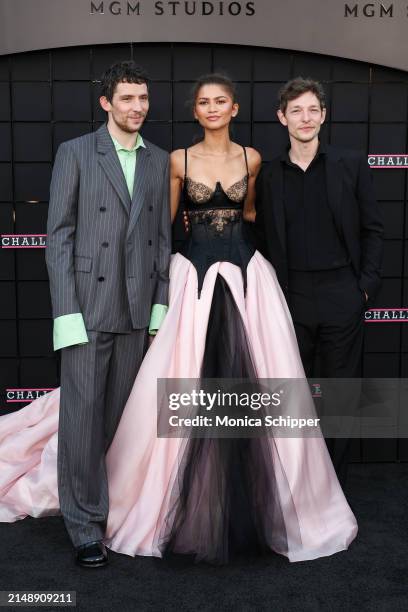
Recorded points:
217,232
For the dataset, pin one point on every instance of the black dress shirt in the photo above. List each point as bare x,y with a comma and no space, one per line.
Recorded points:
313,242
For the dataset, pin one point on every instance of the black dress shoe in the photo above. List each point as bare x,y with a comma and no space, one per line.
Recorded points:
92,554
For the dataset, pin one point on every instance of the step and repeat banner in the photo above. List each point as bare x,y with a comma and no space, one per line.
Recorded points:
52,54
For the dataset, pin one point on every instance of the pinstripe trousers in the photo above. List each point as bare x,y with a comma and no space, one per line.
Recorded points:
96,380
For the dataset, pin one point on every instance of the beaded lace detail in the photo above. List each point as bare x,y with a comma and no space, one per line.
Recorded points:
200,193
216,219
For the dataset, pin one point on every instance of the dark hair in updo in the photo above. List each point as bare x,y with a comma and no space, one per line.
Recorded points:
214,78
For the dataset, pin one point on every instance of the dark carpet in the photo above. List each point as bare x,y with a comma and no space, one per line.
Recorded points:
372,575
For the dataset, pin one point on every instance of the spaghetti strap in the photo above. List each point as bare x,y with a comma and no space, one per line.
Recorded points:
246,160
185,164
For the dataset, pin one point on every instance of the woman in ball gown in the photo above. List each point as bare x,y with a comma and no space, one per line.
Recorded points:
202,496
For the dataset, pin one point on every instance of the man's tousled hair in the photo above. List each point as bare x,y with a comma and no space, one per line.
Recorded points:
122,72
298,86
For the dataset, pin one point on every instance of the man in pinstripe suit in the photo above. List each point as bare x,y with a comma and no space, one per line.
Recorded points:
107,255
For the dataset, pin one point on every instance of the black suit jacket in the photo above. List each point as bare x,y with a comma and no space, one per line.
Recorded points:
356,213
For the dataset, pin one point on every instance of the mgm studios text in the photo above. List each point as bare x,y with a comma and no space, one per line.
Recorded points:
203,8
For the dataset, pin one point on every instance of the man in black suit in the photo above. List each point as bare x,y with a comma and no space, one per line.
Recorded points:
319,224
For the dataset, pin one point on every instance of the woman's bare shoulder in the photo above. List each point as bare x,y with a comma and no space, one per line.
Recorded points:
253,155
177,158
254,160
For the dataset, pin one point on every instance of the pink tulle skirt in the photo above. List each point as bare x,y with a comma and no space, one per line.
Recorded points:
144,470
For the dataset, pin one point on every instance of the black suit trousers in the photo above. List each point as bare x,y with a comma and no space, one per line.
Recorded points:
327,308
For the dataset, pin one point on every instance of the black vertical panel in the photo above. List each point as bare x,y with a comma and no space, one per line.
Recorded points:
392,262
349,102
191,61
31,101
4,68
31,218
72,101
271,65
71,64
5,142
244,99
8,335
104,56
35,338
241,133
183,102
393,214
346,70
389,102
160,101
314,66
8,300
382,337
4,102
388,184
269,139
6,182
32,142
185,134
389,295
31,265
349,135
39,373
34,300
8,376
265,101
32,181
33,66
155,59
68,131
7,256
387,138
97,111
159,133
236,62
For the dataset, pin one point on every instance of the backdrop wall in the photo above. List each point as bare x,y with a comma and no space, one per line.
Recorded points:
47,97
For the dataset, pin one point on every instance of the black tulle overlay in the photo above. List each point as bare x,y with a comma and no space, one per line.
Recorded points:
225,499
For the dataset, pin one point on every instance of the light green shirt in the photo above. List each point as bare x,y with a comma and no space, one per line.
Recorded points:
127,158
70,329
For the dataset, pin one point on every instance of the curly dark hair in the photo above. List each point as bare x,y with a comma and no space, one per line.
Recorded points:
298,86
122,72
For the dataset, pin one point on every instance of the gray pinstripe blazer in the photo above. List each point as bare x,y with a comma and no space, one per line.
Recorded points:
107,255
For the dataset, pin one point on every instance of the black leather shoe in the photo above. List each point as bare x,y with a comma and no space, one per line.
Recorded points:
92,554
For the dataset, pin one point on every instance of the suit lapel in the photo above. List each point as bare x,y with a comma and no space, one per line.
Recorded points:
140,189
109,160
334,180
277,202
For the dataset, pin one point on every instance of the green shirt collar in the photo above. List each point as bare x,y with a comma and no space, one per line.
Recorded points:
119,147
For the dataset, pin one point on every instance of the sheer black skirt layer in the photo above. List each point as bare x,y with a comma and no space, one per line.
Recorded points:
226,499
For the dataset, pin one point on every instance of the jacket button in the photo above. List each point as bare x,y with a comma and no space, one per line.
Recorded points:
105,244
101,279
149,243
150,208
103,209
